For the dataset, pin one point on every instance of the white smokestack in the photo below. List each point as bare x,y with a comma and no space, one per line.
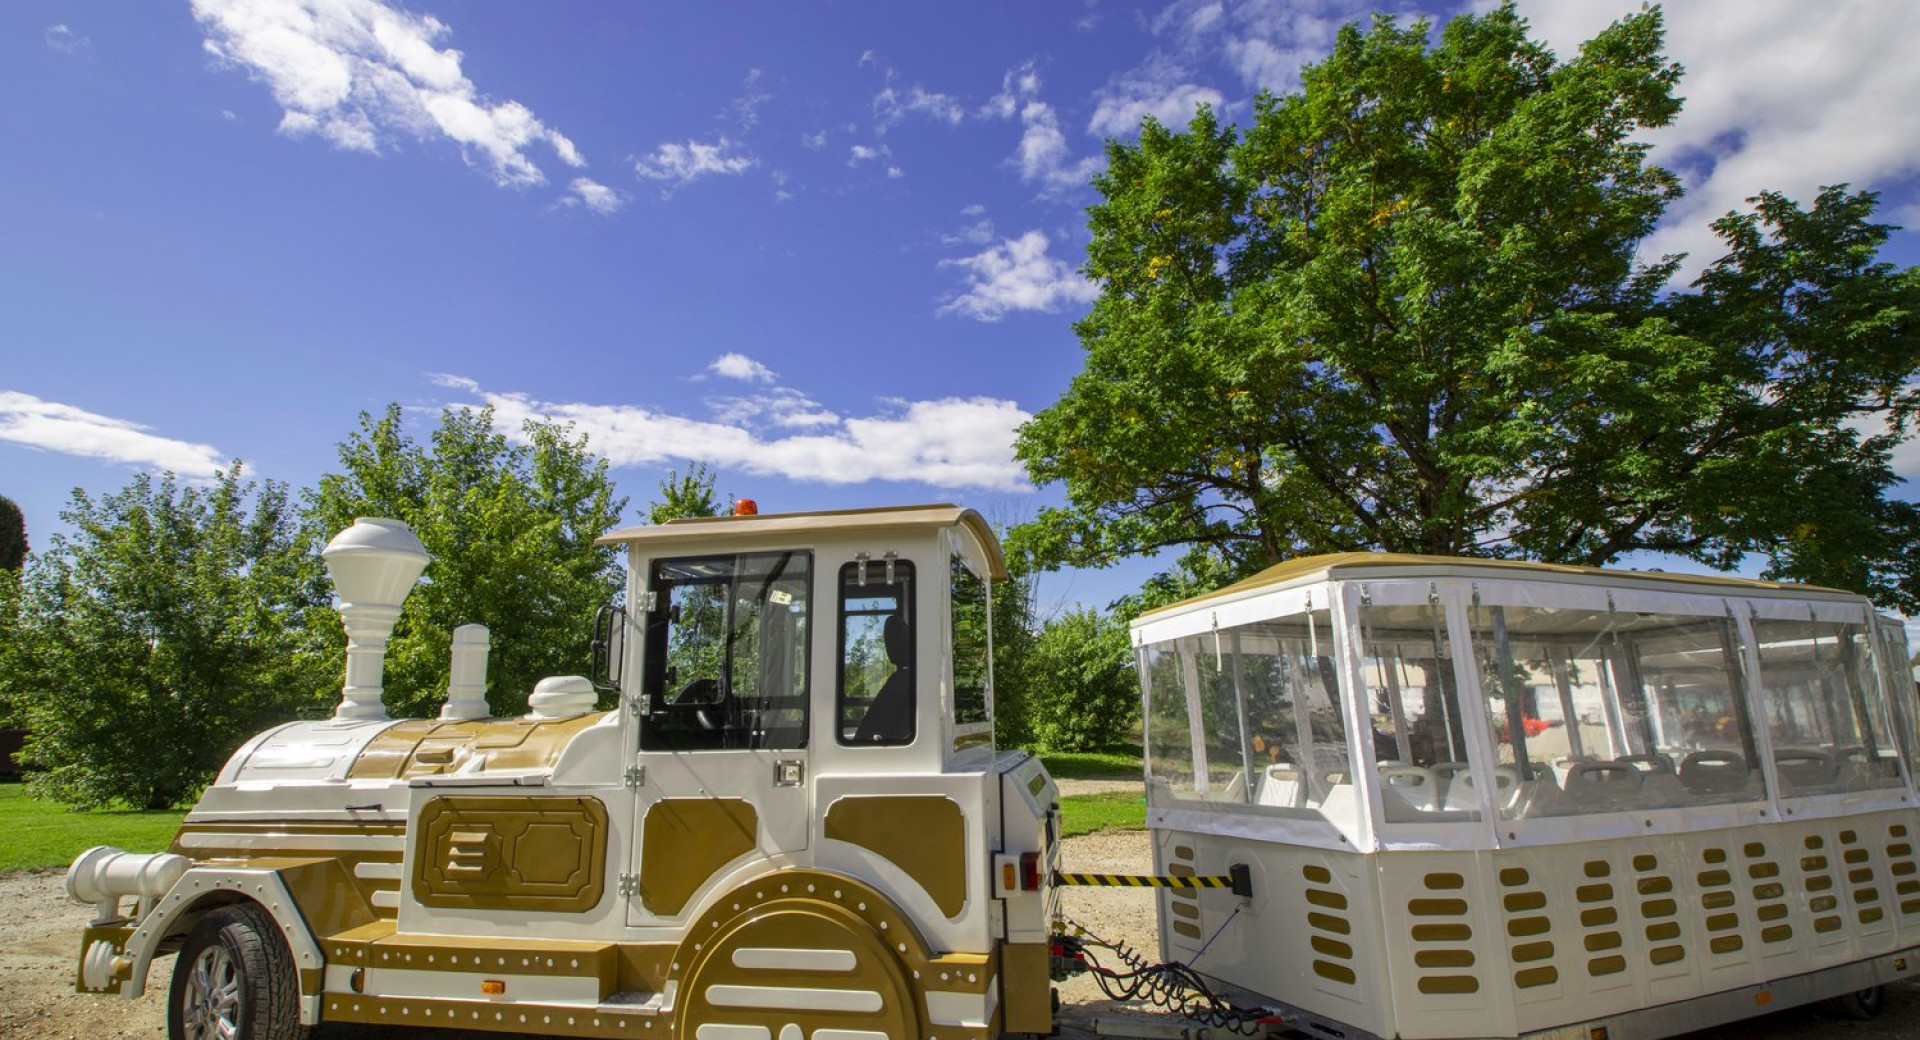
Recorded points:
467,686
373,564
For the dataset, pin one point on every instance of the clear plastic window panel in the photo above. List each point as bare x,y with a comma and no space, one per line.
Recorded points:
726,652
1824,708
972,661
1896,676
1613,711
1250,716
1419,735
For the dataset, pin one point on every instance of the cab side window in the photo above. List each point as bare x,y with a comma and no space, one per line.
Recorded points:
969,628
874,705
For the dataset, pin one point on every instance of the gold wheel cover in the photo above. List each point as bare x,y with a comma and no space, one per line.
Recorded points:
793,967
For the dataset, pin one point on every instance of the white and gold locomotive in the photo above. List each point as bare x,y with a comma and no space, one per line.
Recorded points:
794,826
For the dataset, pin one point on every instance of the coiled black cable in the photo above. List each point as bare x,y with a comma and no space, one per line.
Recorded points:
1171,985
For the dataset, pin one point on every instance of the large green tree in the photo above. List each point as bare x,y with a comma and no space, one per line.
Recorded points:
1403,311
510,525
157,636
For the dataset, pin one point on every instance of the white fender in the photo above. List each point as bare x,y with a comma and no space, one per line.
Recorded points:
264,887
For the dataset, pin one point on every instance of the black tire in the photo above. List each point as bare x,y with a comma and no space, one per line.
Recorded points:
235,971
1862,1006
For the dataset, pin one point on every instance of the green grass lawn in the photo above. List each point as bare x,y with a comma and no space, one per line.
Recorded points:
34,833
1118,763
1112,810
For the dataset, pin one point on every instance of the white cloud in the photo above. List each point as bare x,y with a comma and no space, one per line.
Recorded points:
1157,89
1016,275
890,106
682,163
780,406
951,442
861,153
49,425
595,196
65,40
356,72
978,232
1780,95
1044,158
814,142
742,367
745,109
1020,82
894,173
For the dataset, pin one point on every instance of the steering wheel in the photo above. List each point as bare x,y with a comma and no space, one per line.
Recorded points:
705,690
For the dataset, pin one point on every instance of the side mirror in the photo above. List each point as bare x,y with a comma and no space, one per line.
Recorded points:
609,648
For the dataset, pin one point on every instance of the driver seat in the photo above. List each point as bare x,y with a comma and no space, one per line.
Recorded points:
889,719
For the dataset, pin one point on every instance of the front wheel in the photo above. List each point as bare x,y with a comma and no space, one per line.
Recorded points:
1861,1006
234,980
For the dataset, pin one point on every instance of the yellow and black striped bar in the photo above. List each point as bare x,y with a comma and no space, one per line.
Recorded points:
1238,879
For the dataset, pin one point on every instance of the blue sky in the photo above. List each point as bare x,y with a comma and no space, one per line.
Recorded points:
829,250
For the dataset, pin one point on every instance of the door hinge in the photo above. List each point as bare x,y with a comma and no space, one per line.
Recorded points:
636,776
629,884
649,602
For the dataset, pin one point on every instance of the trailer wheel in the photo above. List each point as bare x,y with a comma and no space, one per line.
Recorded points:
1862,1006
234,980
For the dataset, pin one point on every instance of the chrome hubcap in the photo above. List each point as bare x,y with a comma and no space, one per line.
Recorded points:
210,1010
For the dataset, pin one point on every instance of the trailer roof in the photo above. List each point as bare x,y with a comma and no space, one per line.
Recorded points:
836,522
1352,565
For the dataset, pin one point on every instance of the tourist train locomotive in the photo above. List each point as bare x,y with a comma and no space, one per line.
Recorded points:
794,824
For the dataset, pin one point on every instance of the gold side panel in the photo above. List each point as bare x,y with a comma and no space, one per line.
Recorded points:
511,853
329,899
684,841
430,747
1028,988
643,967
923,835
369,871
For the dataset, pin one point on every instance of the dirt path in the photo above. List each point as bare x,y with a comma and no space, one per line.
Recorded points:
40,930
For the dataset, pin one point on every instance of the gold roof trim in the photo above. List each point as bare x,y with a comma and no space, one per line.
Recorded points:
885,518
1352,565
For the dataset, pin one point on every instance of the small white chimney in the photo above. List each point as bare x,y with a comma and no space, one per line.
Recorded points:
467,686
373,564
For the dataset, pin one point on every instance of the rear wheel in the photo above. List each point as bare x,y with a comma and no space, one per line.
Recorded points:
1861,1006
234,980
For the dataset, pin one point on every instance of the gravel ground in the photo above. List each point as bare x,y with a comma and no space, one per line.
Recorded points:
40,929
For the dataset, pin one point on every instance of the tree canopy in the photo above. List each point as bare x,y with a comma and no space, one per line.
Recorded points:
156,636
511,528
1404,310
